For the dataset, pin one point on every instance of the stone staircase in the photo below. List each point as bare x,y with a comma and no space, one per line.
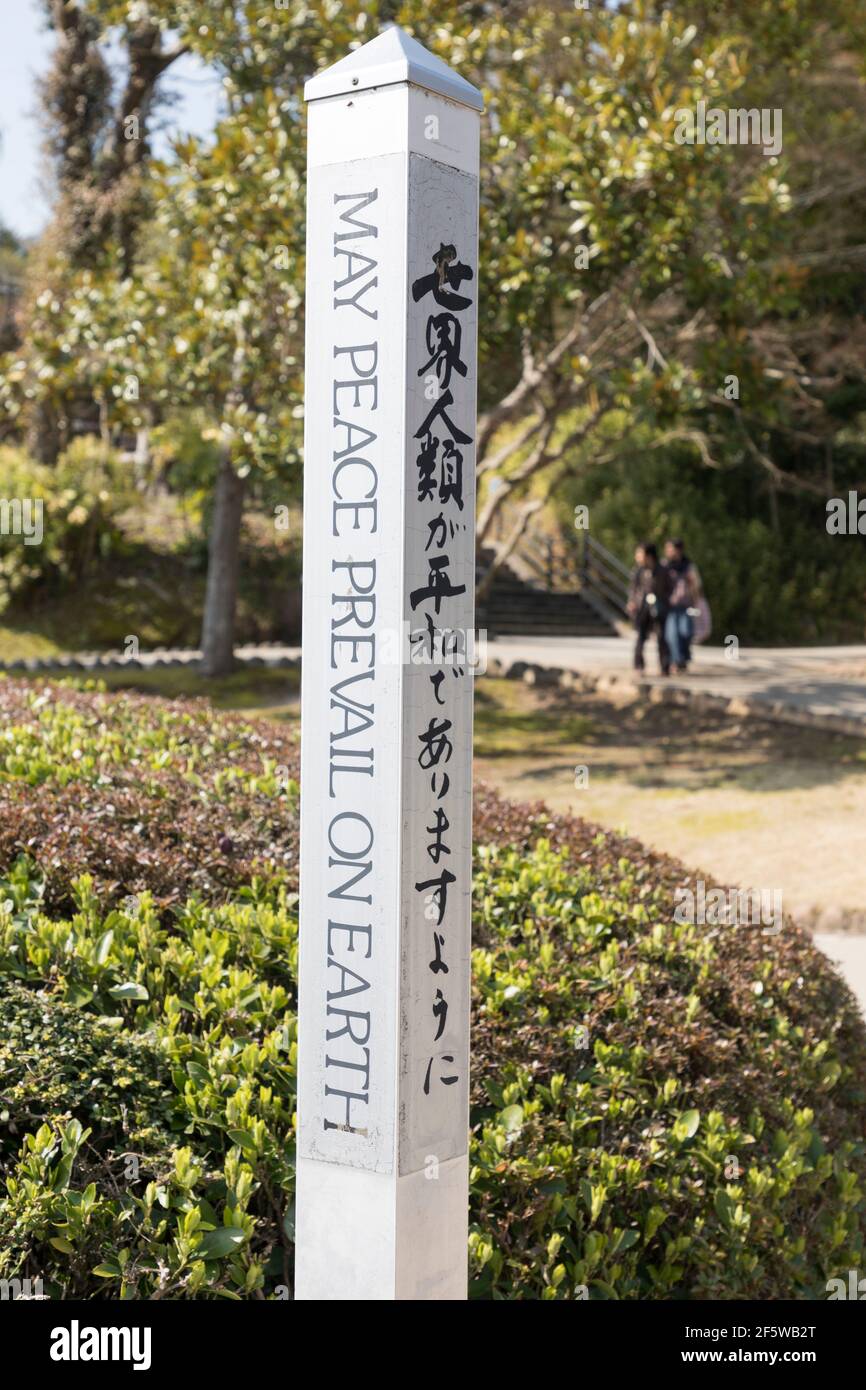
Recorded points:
517,607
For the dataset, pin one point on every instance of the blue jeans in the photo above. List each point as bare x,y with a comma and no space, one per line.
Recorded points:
678,634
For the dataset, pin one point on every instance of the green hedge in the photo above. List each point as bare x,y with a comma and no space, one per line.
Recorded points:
658,1109
645,1124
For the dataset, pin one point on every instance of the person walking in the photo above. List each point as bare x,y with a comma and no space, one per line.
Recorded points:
649,591
685,593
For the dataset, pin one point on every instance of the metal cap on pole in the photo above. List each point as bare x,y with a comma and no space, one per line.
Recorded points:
394,56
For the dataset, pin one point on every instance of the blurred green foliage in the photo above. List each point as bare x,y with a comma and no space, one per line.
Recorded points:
703,262
77,505
770,578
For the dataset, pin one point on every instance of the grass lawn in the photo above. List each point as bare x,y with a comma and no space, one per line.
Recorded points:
257,690
26,644
152,587
509,721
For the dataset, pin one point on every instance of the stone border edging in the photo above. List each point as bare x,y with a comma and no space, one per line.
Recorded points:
541,677
159,658
749,706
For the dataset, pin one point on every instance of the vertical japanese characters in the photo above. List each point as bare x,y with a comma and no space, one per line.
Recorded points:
437,642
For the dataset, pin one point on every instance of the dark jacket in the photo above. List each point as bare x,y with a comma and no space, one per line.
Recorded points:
649,591
685,585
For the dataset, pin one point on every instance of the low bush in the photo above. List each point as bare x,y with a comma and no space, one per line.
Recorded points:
658,1110
143,795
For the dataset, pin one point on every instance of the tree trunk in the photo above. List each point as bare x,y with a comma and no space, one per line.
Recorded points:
218,626
774,509
43,440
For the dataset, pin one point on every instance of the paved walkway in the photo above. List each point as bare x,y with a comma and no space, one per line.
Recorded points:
818,682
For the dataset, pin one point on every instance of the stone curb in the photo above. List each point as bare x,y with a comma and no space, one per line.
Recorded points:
749,706
540,677
156,660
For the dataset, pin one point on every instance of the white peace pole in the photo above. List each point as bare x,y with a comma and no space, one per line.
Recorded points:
389,568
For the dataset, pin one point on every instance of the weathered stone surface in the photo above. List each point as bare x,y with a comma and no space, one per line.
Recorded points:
542,675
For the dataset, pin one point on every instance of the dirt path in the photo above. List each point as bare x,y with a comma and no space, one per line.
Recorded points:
750,803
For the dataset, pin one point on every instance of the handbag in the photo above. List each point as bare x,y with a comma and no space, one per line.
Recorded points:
702,620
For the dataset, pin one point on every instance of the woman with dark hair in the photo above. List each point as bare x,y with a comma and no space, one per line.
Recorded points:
685,587
648,596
